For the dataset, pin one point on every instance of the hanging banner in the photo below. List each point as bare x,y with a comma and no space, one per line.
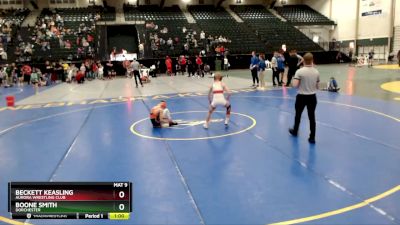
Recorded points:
370,7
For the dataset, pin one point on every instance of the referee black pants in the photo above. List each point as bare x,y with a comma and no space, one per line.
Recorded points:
290,75
301,102
137,76
275,75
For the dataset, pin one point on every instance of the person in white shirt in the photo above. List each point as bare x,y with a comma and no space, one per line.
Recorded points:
202,35
100,71
226,63
169,42
218,95
306,80
274,67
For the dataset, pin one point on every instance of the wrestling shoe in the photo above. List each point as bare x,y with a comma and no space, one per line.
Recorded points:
292,132
226,121
205,125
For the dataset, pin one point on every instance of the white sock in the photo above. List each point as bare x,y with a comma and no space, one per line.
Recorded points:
226,121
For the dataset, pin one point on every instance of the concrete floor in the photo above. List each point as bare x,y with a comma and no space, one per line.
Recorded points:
355,81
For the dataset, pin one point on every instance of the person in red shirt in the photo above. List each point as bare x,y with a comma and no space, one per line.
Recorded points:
199,64
26,73
80,77
222,50
89,38
95,70
183,64
168,64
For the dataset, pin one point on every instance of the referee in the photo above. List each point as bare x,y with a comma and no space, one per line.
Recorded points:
306,80
135,68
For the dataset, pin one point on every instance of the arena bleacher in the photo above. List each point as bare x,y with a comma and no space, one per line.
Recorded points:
171,18
303,15
260,31
272,31
217,22
10,23
152,13
63,25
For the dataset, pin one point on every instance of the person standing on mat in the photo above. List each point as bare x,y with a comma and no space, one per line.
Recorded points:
216,98
135,68
306,80
294,61
253,68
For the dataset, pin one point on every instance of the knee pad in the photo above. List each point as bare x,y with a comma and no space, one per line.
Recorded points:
228,110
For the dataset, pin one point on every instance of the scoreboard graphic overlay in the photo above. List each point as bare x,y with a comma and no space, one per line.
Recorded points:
70,200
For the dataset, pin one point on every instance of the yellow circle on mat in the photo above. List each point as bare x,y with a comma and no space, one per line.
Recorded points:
393,86
388,67
253,124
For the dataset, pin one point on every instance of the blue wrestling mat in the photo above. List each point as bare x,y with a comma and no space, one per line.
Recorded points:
251,172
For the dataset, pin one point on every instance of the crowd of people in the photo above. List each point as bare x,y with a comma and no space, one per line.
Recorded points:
198,42
51,26
51,72
281,60
188,65
10,23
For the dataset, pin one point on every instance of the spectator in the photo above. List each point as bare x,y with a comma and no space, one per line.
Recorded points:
199,64
26,72
65,66
182,63
281,68
294,61
253,68
261,71
195,43
202,35
71,73
274,67
80,77
168,64
34,79
3,54
2,76
333,85
371,58
141,50
226,63
68,44
61,42
110,70
100,71
190,66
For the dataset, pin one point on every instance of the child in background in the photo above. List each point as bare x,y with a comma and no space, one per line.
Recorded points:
332,85
35,80
101,72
